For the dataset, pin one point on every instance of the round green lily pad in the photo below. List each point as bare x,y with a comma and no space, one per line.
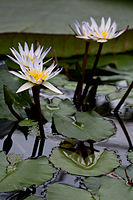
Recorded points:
65,192
27,173
87,125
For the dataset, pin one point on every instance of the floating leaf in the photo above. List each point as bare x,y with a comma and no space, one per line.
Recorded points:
94,183
28,122
107,162
115,189
85,126
65,192
63,107
27,173
33,197
3,165
130,156
105,89
119,94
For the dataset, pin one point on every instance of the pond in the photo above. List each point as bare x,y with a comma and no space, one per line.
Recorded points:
66,145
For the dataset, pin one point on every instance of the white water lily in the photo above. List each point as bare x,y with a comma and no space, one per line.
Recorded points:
36,75
103,33
27,56
83,31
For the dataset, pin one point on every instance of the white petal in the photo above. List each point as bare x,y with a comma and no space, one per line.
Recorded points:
54,73
25,87
51,87
50,69
37,51
18,75
47,61
14,60
114,27
26,48
44,54
108,24
102,27
120,32
20,49
77,26
83,37
16,54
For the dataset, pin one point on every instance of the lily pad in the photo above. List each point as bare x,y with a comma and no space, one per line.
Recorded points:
3,165
85,126
93,183
130,156
105,89
65,192
27,173
63,107
105,164
115,189
33,197
119,94
27,123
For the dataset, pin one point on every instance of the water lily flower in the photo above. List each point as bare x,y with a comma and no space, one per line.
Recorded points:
36,75
26,56
83,31
102,34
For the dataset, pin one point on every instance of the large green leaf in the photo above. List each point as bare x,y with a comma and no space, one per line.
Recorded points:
27,173
94,183
65,192
3,165
86,126
105,164
53,24
118,94
115,189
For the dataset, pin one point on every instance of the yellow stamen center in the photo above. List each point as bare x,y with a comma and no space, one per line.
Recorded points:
37,75
104,34
32,58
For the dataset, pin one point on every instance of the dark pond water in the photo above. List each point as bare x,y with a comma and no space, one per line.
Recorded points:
23,146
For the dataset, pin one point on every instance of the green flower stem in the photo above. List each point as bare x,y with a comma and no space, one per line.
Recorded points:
92,71
36,90
78,91
123,98
124,130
